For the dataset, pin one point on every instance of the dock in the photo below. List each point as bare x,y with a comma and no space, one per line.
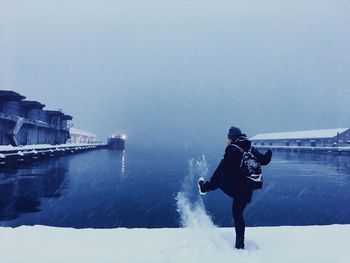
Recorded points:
15,156
307,149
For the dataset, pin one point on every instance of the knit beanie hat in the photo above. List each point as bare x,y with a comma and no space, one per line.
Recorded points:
233,133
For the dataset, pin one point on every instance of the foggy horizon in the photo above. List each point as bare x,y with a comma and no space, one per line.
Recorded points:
181,71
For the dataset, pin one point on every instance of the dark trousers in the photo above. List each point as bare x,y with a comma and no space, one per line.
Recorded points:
238,206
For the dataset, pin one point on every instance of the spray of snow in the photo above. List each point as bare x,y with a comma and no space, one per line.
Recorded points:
193,214
189,203
194,217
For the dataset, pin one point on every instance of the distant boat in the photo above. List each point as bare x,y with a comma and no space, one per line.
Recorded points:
116,142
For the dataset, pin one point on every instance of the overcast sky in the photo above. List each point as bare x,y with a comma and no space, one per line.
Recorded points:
181,69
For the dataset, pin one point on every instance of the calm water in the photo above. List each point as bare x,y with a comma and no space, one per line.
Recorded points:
107,188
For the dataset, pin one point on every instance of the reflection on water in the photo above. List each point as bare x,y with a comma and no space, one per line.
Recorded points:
137,188
122,163
304,189
341,163
74,190
117,161
21,190
299,189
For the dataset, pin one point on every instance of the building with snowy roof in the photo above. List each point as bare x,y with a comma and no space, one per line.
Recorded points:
310,138
24,122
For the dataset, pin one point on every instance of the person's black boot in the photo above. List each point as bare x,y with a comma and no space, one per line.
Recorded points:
239,243
202,186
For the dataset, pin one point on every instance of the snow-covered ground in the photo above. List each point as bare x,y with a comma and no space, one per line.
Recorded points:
329,244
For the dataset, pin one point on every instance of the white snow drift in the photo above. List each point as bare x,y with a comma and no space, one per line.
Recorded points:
320,244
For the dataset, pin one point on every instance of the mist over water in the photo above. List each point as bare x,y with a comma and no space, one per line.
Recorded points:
179,73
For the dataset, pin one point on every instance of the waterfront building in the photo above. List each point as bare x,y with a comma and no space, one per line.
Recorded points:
25,122
312,138
81,136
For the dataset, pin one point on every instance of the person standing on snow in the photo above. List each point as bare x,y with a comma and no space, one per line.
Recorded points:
228,177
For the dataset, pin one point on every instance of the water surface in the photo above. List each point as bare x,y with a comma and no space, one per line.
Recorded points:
138,188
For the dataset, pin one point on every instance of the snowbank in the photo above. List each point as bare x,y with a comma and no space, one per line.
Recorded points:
329,244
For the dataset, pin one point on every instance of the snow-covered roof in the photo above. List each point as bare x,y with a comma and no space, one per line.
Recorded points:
81,132
10,95
311,134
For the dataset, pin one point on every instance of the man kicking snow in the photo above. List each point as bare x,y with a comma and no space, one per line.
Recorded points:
232,181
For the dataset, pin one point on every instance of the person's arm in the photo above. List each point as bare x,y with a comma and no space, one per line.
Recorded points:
263,158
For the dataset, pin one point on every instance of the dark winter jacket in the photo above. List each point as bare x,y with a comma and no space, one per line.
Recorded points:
227,175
